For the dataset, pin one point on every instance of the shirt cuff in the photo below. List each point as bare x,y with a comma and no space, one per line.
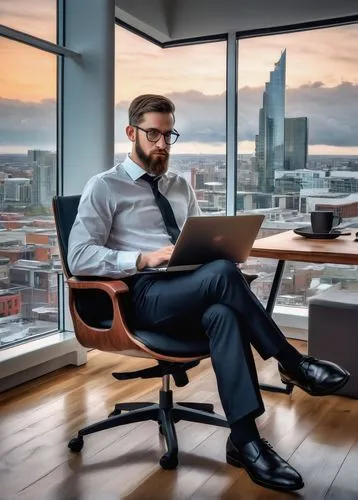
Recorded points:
127,262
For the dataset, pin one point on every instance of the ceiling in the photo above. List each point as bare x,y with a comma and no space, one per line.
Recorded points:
171,20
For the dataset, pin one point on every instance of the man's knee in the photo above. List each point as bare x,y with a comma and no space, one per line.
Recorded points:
221,267
219,276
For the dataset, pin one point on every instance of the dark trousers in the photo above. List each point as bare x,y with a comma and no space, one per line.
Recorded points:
217,299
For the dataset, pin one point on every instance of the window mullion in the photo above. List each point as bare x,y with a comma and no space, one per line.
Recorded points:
231,124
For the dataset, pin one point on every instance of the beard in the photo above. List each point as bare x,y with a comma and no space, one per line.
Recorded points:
154,163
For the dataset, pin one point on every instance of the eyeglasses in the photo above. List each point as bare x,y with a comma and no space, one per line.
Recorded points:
153,135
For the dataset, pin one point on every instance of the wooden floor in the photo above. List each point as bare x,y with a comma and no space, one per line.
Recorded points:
319,436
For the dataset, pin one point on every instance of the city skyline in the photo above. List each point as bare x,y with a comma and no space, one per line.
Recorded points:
322,83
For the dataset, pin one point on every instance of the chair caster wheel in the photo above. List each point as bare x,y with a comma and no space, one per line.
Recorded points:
114,413
168,462
76,444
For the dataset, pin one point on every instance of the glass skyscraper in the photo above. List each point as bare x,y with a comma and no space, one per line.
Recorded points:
270,141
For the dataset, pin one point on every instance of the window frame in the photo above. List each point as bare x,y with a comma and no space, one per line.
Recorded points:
232,105
60,51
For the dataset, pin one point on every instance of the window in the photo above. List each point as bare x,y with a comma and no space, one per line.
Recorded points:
35,18
28,255
298,144
195,79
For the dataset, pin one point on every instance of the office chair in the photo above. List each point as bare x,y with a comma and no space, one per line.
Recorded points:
97,308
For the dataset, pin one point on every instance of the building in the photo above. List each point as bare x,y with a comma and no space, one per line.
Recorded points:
343,184
4,267
17,191
10,304
38,285
44,169
342,208
45,243
296,143
300,179
344,205
270,139
286,201
282,143
252,200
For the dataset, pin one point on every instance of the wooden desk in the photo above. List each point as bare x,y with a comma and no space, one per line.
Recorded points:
290,246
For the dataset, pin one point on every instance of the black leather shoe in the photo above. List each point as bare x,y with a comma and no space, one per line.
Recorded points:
318,378
263,465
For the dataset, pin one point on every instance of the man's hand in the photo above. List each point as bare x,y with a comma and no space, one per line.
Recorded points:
154,259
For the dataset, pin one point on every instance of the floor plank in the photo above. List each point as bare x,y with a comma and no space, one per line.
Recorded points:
345,484
319,436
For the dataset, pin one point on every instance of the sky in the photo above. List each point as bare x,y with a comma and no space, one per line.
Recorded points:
321,79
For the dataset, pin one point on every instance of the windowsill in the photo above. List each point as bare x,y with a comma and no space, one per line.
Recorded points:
35,358
34,345
292,320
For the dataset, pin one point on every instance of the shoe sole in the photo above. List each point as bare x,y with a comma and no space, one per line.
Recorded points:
235,463
329,392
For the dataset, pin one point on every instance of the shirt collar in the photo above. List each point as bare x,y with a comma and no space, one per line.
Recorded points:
134,171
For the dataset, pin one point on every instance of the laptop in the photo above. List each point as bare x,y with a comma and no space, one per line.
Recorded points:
204,239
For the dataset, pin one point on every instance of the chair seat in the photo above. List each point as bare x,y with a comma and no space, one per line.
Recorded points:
180,344
191,344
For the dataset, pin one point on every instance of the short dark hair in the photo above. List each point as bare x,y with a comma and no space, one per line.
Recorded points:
147,103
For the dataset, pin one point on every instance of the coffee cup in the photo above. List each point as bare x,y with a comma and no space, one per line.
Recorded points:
323,221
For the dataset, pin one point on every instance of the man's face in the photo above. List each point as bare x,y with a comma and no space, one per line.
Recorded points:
152,156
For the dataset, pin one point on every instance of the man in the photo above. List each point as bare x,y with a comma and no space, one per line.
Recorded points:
122,228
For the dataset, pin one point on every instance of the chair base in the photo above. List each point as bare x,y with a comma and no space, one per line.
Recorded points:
166,413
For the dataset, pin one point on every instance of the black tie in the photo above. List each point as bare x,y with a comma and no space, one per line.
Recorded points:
164,207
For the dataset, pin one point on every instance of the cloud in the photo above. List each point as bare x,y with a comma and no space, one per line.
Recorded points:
331,112
23,10
23,15
200,118
30,124
313,85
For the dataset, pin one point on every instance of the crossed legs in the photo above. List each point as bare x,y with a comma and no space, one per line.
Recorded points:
216,299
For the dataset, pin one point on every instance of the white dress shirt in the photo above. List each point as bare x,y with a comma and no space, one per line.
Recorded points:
118,219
